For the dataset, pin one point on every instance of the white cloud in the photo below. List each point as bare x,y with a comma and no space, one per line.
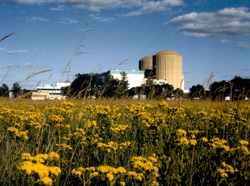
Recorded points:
225,41
68,21
188,72
224,23
94,5
131,3
242,45
155,6
58,8
26,65
145,6
16,51
35,19
34,1
246,70
101,19
1,49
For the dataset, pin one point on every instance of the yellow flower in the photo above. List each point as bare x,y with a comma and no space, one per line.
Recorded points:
110,176
46,181
181,132
122,183
193,142
182,141
26,166
132,173
76,173
26,156
90,169
243,142
121,170
93,174
154,183
40,158
204,139
222,173
13,129
54,155
102,169
55,170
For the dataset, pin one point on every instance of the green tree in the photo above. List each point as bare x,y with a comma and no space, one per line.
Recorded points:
122,89
114,87
178,93
16,88
4,90
197,91
86,85
111,86
238,88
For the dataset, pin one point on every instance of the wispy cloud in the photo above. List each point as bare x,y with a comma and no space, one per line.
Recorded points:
242,45
188,72
58,8
35,19
155,6
26,65
68,21
144,6
1,49
16,51
132,3
224,23
227,76
246,70
33,1
224,41
94,5
101,19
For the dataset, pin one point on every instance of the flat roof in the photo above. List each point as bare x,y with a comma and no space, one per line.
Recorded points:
116,71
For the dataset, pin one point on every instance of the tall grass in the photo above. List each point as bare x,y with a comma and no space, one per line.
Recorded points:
117,142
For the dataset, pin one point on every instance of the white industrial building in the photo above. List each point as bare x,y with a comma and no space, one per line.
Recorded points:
48,91
135,77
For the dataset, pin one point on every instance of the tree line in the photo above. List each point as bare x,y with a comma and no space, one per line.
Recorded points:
236,89
97,86
16,89
94,85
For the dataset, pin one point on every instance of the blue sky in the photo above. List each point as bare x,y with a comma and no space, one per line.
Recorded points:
211,35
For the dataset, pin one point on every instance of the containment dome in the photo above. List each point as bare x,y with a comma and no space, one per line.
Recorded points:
168,66
167,52
146,63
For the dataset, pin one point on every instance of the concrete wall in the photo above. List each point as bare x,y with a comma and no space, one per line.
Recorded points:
146,63
168,66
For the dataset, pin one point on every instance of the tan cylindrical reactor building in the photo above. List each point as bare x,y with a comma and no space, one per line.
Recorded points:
146,63
168,66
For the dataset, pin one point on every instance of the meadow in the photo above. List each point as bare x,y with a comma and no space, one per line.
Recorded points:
124,142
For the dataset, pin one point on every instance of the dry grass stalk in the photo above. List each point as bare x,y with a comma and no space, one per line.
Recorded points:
181,82
34,74
50,76
38,83
210,80
105,87
77,52
6,37
5,76
123,62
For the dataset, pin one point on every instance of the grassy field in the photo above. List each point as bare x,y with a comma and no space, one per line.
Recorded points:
124,142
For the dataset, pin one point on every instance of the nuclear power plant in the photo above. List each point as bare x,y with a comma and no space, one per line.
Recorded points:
164,67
